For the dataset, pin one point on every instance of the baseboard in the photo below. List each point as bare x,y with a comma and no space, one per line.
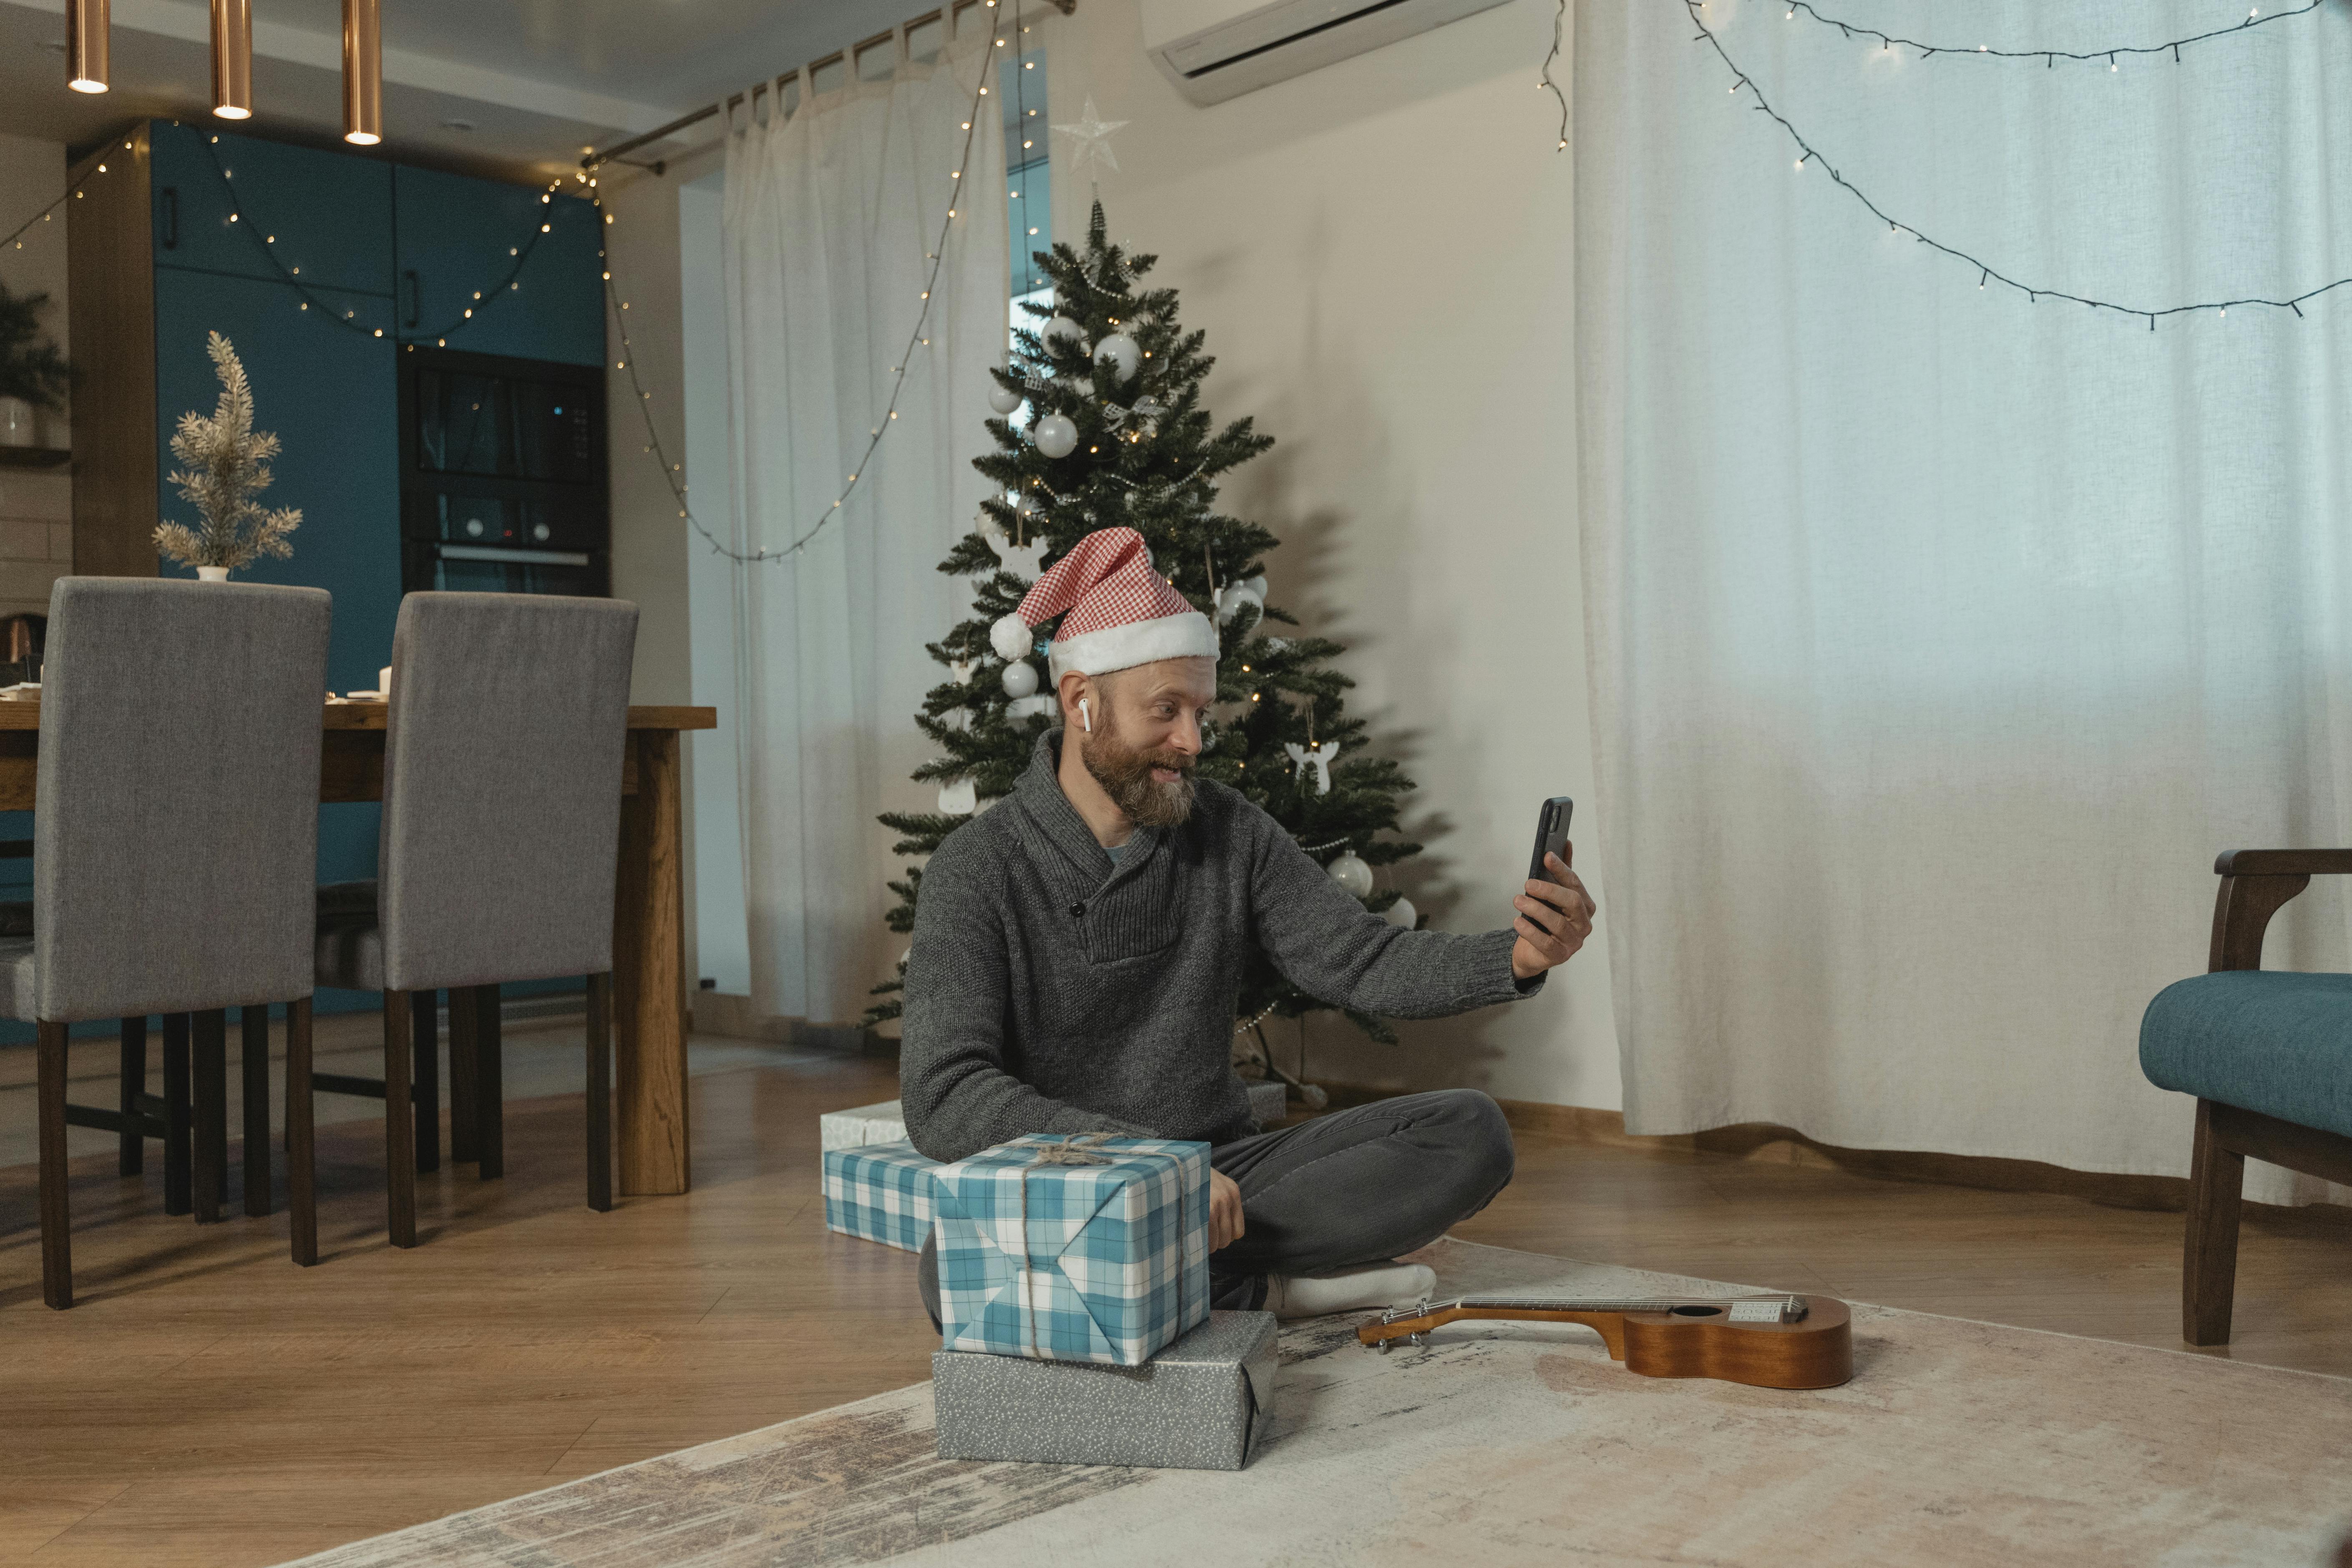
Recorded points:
733,1016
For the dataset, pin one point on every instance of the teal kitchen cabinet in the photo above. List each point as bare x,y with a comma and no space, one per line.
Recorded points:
526,263
326,217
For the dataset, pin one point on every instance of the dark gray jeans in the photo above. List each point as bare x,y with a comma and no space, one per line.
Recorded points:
1357,1186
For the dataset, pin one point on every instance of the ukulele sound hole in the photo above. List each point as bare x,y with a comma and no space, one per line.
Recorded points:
1696,1311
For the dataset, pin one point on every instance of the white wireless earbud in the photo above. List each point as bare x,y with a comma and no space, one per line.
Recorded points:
1087,718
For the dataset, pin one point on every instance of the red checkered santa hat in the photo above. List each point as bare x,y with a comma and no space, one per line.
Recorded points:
1116,611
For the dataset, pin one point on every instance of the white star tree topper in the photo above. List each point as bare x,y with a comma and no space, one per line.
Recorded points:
1090,140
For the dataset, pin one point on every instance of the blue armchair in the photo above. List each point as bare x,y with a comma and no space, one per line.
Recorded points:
2268,1056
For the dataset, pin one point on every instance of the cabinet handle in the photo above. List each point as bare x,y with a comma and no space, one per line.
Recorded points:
171,197
416,296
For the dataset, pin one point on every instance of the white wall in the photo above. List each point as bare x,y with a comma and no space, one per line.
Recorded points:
1379,253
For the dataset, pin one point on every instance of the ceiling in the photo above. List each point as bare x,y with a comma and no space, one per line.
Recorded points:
513,86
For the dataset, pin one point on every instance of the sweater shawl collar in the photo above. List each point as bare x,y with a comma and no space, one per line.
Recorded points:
1051,825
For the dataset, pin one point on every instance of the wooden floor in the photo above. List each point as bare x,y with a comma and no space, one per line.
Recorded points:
208,1402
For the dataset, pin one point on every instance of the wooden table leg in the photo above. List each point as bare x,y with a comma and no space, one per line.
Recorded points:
253,1063
649,975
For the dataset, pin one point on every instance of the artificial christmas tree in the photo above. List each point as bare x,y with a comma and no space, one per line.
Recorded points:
1114,434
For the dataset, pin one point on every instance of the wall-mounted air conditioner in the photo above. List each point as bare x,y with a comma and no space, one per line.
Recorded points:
1217,49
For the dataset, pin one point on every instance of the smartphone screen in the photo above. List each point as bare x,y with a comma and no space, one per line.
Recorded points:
1552,837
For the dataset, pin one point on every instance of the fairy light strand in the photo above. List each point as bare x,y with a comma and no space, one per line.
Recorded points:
672,474
2253,18
15,239
1986,271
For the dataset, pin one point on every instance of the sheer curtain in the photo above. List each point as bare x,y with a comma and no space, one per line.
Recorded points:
1941,638
831,214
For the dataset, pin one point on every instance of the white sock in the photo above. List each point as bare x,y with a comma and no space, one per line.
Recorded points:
1352,1290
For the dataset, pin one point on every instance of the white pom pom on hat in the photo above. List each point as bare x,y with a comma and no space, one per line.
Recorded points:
1012,636
1117,611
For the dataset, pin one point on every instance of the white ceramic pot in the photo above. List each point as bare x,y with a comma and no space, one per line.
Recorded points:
212,573
19,423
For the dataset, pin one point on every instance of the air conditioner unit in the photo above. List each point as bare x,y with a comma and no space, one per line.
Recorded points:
1216,49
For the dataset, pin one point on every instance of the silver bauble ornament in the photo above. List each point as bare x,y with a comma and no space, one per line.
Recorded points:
957,798
1020,678
1231,599
1061,329
1256,585
1401,913
1117,357
1056,437
1352,874
1003,399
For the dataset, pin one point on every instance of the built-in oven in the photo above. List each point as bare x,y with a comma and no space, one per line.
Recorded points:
503,486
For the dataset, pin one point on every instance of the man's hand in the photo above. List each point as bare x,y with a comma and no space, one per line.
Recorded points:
1554,920
1224,1210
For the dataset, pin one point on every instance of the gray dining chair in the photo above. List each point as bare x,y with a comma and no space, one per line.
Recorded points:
503,778
175,841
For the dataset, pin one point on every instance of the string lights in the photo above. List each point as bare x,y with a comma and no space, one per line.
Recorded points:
15,239
2049,58
672,473
342,315
1986,271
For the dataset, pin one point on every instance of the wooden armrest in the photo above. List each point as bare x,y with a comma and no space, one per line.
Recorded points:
2255,885
2284,862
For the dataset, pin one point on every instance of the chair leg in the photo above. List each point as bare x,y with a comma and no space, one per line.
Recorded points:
253,1063
2208,1265
427,1049
465,1118
600,1092
56,1218
175,1115
208,1033
489,1085
399,1121
302,1150
133,1157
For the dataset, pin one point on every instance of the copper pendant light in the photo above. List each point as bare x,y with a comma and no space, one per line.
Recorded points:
233,58
86,45
363,72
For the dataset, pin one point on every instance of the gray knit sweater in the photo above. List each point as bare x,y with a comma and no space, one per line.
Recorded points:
1049,991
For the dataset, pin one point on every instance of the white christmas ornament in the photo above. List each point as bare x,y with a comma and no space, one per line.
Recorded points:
1019,677
1021,559
1012,636
1026,504
1256,585
1352,874
957,798
1401,913
1117,357
987,526
1305,757
1003,399
961,670
1056,437
1231,599
1061,329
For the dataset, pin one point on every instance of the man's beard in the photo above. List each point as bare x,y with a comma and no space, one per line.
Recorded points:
1125,774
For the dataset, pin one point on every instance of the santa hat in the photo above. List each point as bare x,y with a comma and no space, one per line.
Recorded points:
1116,611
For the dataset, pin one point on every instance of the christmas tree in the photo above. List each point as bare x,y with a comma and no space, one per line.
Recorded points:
1116,434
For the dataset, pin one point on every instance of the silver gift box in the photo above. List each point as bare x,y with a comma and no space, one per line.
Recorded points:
1202,1404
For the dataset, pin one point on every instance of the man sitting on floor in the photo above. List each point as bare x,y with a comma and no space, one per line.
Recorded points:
1079,950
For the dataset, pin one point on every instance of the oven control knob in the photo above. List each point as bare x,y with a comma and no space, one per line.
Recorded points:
473,527
540,531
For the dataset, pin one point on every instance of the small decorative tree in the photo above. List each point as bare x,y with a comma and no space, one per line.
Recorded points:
30,366
227,465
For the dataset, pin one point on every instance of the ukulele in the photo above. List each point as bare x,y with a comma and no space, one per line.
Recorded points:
1764,1341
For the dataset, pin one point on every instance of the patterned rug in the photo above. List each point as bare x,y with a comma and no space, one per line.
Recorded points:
1957,1444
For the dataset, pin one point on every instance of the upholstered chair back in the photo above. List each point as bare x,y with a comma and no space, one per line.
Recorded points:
175,832
502,787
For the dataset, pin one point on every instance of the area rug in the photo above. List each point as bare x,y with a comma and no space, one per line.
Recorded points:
1957,1444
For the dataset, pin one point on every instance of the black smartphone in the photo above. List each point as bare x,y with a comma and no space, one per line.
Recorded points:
1552,837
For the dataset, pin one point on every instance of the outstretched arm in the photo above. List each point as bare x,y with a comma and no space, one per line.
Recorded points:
958,1099
1331,946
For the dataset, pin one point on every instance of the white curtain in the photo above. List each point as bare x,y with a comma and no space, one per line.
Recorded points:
1941,638
831,214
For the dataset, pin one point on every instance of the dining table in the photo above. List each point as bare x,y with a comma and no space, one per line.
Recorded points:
649,985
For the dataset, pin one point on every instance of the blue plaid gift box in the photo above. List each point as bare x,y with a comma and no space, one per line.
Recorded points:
1088,1248
882,1192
